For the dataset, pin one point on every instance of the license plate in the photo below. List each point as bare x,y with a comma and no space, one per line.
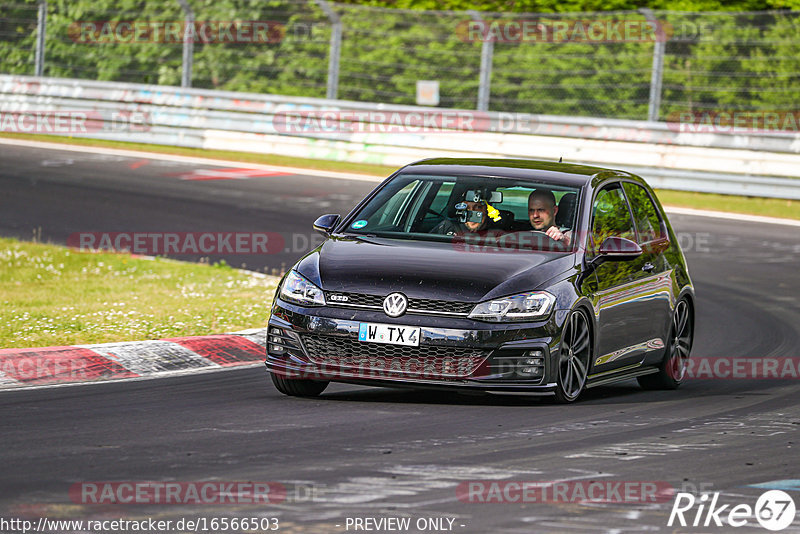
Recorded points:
389,333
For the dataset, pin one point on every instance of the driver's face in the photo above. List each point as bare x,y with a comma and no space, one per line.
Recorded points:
476,206
541,214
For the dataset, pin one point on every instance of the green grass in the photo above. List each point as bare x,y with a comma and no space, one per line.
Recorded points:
770,207
53,295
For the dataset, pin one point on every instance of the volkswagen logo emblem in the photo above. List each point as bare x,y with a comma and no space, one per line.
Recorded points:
395,304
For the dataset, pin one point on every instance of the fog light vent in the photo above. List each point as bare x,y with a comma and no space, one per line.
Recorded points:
528,365
280,342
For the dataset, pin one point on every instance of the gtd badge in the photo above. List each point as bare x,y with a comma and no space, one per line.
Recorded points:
395,305
339,298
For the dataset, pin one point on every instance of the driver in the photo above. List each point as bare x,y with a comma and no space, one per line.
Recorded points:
542,211
477,221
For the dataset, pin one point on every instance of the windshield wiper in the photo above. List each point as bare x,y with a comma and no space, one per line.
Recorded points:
357,236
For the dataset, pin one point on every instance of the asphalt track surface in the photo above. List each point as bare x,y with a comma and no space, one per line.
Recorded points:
58,194
381,453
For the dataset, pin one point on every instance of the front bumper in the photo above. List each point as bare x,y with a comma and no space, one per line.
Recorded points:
321,343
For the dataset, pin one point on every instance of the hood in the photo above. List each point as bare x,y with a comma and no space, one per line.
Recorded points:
431,270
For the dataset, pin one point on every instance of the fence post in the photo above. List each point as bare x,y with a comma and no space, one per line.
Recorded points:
188,44
41,32
485,79
335,49
656,75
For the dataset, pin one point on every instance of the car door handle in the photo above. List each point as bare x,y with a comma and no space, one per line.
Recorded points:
648,267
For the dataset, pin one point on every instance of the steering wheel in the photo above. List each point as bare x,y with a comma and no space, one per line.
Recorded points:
541,232
524,239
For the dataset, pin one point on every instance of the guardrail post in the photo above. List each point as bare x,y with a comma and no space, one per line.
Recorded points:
335,49
656,75
485,79
41,32
188,44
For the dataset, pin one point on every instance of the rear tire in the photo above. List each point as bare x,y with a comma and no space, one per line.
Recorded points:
298,387
672,370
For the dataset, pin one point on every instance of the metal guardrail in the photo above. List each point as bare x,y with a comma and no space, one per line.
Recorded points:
756,165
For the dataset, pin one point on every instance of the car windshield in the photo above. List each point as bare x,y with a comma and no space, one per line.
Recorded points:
490,212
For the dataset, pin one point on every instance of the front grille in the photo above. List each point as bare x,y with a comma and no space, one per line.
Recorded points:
440,305
422,305
377,360
359,300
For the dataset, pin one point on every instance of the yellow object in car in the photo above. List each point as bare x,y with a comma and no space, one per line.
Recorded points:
493,212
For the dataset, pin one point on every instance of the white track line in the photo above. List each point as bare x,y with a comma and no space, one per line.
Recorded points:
189,159
338,175
728,215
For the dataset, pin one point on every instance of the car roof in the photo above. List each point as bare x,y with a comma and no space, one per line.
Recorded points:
520,169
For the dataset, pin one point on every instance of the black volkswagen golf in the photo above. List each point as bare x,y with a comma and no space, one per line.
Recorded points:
502,276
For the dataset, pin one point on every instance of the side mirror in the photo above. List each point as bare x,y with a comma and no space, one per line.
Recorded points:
618,249
326,223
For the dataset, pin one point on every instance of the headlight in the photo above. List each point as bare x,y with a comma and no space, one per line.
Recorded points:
522,307
297,289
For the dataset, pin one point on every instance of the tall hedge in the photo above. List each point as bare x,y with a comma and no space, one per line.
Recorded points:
713,60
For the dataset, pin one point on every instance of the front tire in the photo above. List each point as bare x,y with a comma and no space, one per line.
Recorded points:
574,358
672,370
298,387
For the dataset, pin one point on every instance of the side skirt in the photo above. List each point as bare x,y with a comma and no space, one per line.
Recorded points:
617,375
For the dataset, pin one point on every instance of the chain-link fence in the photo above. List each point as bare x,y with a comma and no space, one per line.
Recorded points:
633,65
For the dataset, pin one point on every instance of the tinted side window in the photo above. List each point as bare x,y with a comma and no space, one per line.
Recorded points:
644,212
439,197
440,201
391,210
610,216
515,200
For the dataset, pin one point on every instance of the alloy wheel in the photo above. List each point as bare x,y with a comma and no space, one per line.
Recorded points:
672,369
574,357
681,343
